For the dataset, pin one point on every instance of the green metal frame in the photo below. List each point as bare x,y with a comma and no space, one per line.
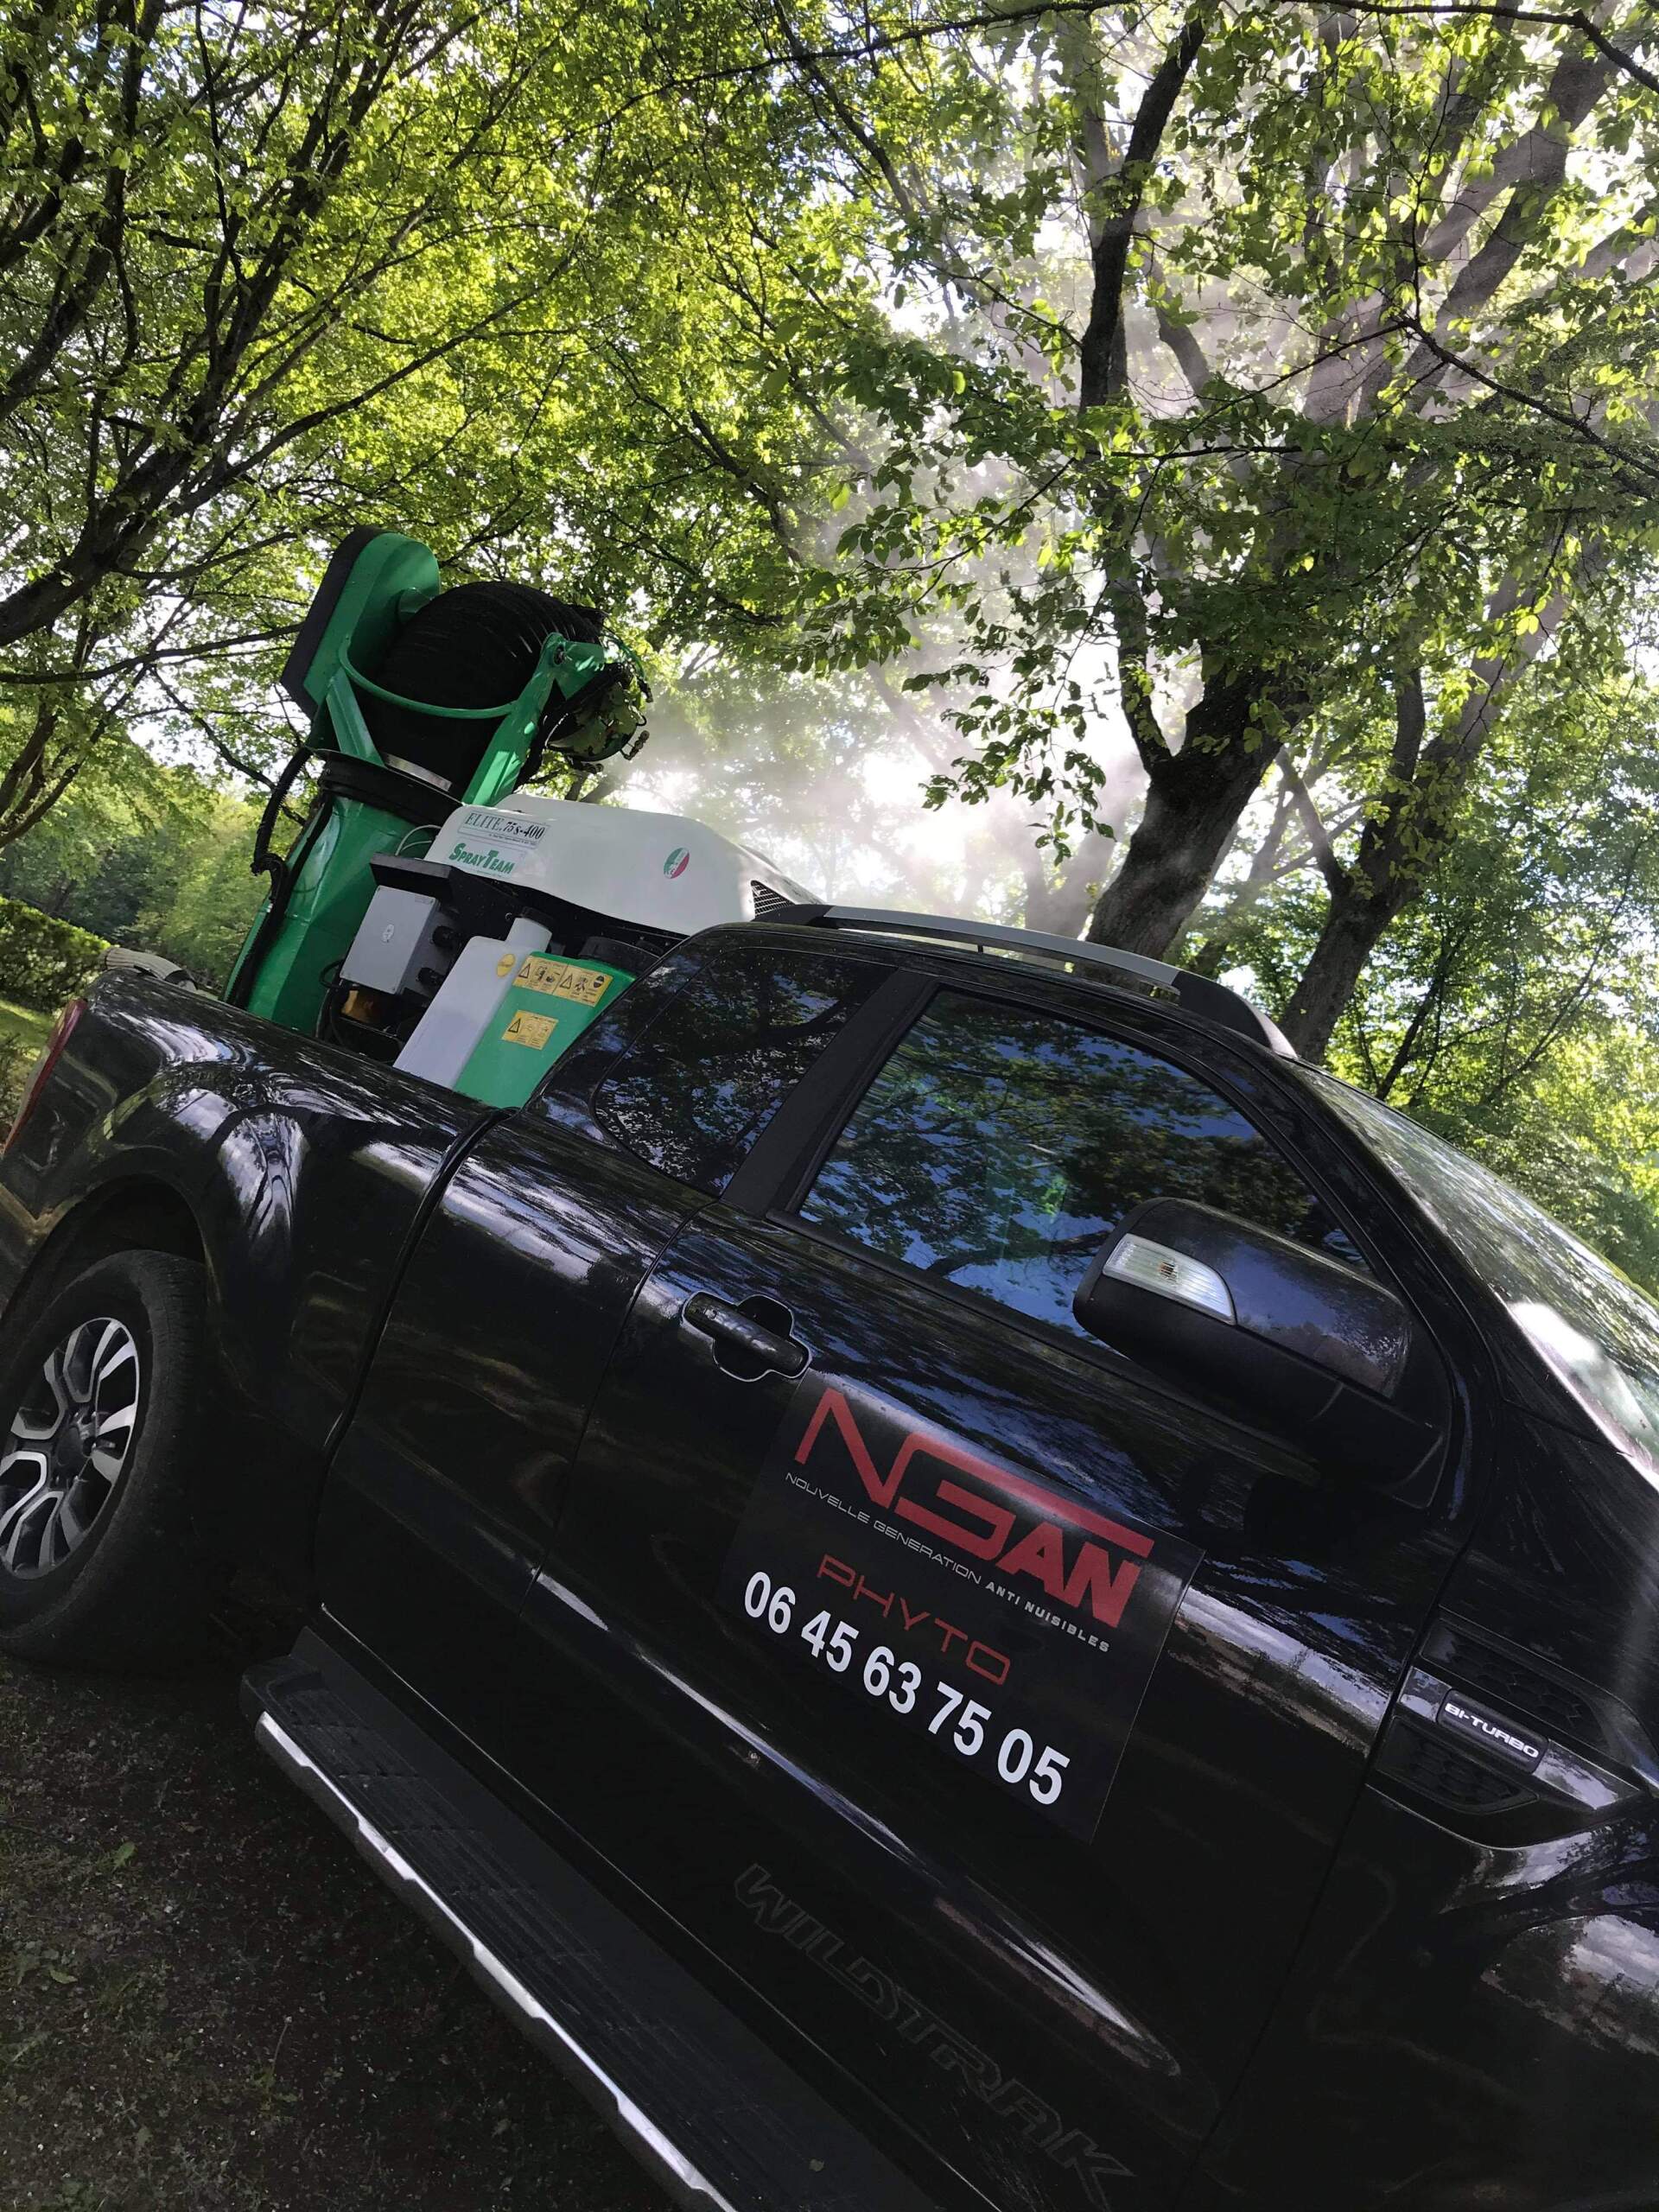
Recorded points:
328,884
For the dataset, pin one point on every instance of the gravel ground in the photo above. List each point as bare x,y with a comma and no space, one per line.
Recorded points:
206,2001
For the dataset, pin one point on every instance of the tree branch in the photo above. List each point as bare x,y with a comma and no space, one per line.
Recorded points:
1102,354
1494,11
1319,837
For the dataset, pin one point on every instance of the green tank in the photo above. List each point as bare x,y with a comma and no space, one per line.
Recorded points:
546,1005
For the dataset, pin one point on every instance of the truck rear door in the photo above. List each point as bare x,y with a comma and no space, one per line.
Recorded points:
988,1713
451,1474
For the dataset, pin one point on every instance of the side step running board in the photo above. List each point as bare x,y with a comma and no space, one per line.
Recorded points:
722,2122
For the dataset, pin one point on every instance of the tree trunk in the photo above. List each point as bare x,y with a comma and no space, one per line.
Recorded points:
1406,840
1193,803
1355,922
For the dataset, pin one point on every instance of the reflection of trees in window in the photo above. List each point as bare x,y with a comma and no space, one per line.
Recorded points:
1581,1311
717,1063
998,1148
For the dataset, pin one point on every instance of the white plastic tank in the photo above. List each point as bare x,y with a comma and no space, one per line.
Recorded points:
661,871
466,999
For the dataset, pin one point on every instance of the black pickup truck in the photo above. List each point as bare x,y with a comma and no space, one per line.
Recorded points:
962,1583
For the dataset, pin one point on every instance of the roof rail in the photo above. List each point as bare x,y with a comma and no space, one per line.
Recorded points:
1195,994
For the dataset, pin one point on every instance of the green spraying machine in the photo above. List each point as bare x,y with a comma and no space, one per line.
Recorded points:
430,910
390,668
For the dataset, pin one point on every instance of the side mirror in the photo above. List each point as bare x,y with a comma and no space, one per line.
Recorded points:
1289,1340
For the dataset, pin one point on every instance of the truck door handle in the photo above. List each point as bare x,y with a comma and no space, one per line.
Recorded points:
750,1340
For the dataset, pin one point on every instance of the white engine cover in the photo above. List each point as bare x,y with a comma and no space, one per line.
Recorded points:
662,871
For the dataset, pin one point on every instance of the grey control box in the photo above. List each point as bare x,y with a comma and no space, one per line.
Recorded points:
395,940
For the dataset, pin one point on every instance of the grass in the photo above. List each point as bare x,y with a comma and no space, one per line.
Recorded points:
207,2004
23,1030
25,1023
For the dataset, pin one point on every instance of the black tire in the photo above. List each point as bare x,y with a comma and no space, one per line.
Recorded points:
114,1575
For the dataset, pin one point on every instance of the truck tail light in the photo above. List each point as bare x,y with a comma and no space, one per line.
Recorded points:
51,1053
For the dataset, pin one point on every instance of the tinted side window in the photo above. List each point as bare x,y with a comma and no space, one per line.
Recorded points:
696,1088
998,1148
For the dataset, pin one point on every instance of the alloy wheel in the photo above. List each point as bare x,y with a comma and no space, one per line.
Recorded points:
67,1445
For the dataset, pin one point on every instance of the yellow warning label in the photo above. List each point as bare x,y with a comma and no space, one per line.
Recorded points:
563,979
532,1029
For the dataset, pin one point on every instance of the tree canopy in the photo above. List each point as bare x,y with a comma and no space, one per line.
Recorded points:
1216,442
1270,365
